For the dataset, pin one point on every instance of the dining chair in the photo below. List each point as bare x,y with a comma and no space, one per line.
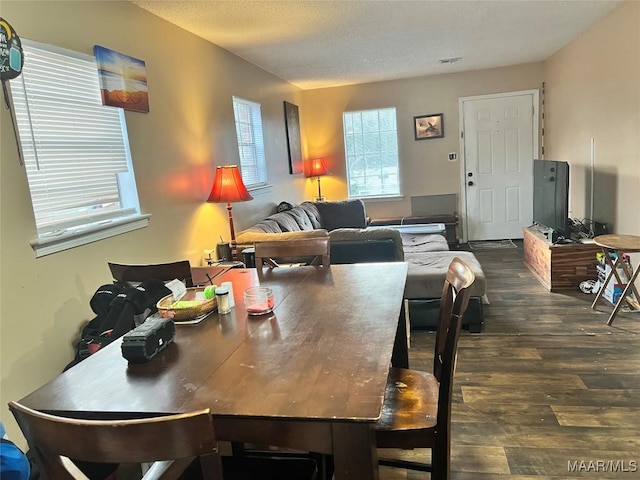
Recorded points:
171,444
416,412
316,248
127,274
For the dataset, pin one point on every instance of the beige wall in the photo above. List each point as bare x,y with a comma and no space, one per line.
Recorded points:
175,147
593,91
424,165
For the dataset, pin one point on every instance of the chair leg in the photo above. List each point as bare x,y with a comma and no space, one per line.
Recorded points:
325,465
441,462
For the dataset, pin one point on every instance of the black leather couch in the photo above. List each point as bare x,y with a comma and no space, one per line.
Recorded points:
344,222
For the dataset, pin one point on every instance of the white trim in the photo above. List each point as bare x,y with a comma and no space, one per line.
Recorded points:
72,239
463,163
390,198
260,189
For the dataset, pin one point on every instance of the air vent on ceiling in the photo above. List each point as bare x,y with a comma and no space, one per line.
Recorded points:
450,60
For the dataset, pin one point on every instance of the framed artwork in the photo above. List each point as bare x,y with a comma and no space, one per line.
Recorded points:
429,126
292,124
123,80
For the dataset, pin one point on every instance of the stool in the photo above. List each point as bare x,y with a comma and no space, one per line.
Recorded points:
620,244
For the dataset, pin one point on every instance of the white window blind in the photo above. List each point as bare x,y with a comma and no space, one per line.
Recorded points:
248,119
371,152
75,150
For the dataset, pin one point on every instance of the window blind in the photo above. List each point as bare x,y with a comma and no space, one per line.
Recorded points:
248,119
74,148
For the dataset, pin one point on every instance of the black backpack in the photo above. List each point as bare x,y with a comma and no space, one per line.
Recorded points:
117,312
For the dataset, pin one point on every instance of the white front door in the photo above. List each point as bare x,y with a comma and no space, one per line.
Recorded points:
500,137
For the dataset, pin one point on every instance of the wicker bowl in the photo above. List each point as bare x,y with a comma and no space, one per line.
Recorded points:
166,306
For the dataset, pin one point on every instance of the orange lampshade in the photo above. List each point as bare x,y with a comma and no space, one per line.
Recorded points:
316,168
228,186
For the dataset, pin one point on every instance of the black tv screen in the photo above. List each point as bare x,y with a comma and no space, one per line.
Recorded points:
551,195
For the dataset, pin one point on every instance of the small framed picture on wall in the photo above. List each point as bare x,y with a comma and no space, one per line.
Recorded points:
429,126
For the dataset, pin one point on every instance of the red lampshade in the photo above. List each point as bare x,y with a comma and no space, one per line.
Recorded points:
316,168
228,186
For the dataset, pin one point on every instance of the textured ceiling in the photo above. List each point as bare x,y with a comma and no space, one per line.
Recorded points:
315,44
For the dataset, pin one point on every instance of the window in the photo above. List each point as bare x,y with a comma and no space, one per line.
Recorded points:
75,151
371,151
250,142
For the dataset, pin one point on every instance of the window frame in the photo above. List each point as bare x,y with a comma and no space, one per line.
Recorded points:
349,134
56,232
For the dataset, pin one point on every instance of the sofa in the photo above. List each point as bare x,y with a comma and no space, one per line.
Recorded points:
345,222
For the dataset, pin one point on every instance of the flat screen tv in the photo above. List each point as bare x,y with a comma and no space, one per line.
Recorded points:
551,195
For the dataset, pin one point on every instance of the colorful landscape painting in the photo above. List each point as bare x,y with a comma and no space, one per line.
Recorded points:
123,80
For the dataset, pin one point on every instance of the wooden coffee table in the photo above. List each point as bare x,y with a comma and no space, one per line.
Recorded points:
619,244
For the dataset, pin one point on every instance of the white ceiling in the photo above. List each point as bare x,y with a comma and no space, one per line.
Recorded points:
324,43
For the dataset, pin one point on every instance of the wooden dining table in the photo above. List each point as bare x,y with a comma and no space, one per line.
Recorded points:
310,375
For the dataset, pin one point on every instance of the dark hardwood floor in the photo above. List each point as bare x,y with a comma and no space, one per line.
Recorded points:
547,390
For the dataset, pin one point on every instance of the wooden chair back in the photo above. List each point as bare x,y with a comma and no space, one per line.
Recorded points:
172,442
125,274
419,414
453,304
269,251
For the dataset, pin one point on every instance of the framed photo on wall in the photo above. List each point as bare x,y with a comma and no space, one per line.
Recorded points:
429,126
292,124
123,80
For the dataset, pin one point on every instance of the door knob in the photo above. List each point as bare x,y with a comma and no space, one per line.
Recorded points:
470,174
470,183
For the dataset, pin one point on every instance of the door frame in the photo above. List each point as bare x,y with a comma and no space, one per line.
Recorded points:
463,163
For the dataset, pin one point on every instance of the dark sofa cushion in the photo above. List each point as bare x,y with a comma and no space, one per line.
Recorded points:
301,218
266,226
287,221
344,214
312,212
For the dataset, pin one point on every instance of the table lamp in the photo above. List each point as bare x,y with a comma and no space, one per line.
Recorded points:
228,187
317,168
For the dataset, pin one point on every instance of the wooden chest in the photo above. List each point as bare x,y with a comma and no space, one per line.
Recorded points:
559,267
